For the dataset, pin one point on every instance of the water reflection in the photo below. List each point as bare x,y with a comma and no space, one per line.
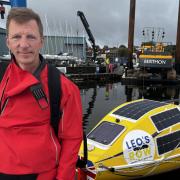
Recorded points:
158,93
100,99
89,108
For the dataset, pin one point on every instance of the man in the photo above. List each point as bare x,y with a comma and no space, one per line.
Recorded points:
29,149
2,10
107,64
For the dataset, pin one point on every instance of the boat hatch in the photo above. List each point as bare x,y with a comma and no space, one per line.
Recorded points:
106,133
137,109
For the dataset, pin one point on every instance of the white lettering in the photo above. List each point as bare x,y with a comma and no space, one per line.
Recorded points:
154,61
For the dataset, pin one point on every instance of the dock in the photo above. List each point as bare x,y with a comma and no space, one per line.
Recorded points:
98,77
146,81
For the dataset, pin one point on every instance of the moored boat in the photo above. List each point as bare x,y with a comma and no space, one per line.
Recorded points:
136,139
156,57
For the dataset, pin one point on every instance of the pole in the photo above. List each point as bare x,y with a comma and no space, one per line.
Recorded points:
131,32
177,56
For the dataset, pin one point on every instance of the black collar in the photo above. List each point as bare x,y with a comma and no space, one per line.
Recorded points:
40,67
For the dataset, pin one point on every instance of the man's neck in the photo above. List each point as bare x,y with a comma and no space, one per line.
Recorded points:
29,67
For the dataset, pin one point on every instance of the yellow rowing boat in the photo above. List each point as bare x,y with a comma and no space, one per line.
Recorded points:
136,139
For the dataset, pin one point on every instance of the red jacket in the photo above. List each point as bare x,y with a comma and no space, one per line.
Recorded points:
27,142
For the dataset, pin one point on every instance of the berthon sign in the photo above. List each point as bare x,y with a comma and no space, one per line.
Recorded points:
159,63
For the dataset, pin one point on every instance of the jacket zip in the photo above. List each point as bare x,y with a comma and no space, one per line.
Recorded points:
56,149
4,106
62,119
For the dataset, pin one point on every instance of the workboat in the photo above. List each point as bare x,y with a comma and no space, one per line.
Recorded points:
136,139
155,56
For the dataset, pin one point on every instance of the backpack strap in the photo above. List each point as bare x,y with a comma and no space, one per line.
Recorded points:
55,94
54,86
37,89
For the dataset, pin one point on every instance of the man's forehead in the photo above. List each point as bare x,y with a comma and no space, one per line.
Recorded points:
16,27
22,23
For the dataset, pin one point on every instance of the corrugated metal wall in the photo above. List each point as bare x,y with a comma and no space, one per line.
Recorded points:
3,47
74,46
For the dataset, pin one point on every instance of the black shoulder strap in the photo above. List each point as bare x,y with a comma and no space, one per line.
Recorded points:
54,86
55,93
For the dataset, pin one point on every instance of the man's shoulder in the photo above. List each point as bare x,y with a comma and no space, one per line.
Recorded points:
67,82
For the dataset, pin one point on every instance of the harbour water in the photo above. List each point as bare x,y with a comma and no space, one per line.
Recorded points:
100,99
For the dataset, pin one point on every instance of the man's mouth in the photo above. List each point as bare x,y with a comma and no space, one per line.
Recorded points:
24,53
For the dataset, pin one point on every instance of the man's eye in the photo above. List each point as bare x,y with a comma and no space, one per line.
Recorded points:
16,37
31,37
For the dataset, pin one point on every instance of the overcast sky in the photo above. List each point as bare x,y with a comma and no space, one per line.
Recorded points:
108,20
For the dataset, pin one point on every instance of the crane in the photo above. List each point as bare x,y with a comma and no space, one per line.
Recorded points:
91,37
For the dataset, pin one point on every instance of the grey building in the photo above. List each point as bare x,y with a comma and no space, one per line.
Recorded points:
3,47
75,46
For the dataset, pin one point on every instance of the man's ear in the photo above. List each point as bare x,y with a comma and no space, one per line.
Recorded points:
42,42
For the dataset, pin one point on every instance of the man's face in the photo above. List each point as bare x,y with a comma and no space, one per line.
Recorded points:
24,41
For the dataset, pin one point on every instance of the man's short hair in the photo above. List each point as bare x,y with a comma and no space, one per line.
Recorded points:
22,15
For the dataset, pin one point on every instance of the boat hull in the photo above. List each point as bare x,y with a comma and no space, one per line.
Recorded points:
135,140
140,171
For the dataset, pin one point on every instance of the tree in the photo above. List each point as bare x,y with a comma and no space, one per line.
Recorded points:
122,46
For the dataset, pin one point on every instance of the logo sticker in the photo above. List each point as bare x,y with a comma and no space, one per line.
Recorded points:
138,146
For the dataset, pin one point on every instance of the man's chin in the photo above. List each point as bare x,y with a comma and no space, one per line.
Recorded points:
24,60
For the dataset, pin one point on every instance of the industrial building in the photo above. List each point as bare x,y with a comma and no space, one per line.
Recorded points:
74,46
3,47
54,45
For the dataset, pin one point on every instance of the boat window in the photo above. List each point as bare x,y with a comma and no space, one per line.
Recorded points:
105,133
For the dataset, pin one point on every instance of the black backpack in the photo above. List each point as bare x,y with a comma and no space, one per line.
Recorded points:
55,92
54,87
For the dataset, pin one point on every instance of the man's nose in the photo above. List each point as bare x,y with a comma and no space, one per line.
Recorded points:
24,42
